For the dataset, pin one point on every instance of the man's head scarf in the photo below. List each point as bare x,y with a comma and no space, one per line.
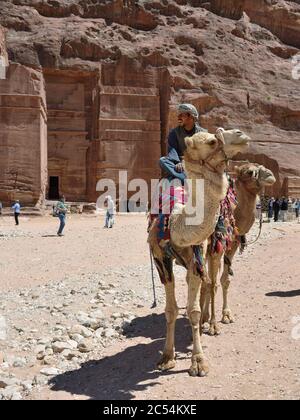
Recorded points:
188,109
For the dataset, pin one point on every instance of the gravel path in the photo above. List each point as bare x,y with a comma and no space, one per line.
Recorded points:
76,318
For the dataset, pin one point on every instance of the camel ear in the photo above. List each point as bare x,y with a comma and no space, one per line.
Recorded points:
220,134
189,142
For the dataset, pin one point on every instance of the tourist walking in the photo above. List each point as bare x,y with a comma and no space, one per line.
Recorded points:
110,212
284,209
258,209
296,208
17,210
276,208
61,211
270,208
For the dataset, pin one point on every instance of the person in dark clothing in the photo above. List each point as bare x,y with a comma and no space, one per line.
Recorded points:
61,210
270,208
276,208
187,126
297,208
17,209
284,208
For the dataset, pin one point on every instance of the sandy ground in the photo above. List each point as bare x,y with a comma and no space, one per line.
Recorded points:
32,254
257,357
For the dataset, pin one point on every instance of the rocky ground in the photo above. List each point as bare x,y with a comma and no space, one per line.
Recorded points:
76,319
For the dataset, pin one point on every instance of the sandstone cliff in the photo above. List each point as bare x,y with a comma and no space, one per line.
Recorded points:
232,58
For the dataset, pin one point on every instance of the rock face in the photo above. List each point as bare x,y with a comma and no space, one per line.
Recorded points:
3,52
23,135
99,82
278,16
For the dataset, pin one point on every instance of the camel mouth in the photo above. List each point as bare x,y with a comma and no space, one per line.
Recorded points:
269,181
242,141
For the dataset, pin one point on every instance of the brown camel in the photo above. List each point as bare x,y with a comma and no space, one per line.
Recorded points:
205,159
251,180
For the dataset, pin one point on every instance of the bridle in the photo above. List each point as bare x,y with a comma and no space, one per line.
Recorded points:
206,162
245,181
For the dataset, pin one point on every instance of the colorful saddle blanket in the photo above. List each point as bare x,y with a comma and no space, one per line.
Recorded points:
226,230
164,203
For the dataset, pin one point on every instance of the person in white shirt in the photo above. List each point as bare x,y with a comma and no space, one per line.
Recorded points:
17,210
296,208
110,212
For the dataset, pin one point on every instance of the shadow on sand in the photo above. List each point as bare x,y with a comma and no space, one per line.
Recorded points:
291,293
117,377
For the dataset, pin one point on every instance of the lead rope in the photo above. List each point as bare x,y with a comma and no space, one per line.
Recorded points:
260,230
154,305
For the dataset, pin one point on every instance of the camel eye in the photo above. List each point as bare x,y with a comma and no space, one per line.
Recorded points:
212,142
250,173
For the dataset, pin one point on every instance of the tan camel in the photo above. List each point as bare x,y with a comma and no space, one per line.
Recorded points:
251,180
205,158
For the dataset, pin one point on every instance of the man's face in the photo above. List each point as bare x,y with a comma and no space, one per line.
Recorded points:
185,120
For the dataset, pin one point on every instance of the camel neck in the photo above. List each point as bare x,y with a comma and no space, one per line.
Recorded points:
194,225
245,211
214,183
243,188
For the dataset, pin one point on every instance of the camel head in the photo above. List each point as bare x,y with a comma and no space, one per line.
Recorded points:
235,141
255,176
214,150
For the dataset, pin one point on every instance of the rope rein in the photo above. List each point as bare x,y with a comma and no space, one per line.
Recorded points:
259,233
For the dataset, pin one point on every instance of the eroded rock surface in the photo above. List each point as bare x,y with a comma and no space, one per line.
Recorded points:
114,70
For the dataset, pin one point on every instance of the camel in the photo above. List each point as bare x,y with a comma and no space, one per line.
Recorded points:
205,158
251,178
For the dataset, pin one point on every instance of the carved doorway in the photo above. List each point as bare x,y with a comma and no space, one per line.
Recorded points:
53,188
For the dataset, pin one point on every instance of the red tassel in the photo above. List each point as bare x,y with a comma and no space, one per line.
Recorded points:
219,247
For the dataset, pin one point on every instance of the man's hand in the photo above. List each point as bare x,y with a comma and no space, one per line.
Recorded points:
179,168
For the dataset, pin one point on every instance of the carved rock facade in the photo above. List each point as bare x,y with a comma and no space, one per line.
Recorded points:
92,86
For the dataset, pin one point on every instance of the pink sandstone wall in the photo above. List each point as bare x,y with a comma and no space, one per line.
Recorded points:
23,136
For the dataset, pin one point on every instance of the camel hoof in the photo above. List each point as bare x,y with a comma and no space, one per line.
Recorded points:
199,367
214,330
227,318
166,363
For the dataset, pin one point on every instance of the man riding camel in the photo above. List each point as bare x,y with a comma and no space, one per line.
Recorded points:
188,125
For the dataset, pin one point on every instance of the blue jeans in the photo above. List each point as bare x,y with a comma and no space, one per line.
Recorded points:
62,219
109,220
168,165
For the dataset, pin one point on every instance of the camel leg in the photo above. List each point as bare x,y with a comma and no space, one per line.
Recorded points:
205,300
227,317
199,365
214,264
168,358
